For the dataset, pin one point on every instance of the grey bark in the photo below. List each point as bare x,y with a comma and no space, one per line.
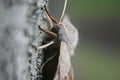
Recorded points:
19,19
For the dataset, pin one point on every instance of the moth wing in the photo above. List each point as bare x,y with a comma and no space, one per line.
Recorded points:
70,74
67,21
64,71
72,38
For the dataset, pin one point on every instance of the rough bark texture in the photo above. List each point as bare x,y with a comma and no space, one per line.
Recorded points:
19,35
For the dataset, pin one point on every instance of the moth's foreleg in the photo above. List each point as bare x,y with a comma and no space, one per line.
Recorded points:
51,17
48,31
45,45
50,21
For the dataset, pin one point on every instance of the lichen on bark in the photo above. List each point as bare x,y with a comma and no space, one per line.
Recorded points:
37,16
19,20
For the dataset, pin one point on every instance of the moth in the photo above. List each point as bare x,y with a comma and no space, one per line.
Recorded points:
63,40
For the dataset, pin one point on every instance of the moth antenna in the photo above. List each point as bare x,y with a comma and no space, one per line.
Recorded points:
63,12
46,45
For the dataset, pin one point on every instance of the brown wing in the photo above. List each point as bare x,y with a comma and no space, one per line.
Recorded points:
64,68
70,74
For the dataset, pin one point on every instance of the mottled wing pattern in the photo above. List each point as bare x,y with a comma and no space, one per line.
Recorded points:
64,68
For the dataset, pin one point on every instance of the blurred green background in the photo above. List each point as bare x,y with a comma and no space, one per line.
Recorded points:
98,53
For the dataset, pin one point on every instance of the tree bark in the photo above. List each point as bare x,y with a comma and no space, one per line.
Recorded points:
19,34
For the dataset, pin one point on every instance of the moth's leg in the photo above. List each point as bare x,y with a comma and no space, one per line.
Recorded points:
51,17
50,21
49,59
48,31
45,45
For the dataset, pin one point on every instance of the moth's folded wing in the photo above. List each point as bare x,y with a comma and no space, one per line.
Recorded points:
64,63
70,74
72,31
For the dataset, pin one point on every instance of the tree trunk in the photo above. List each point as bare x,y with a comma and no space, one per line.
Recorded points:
19,34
